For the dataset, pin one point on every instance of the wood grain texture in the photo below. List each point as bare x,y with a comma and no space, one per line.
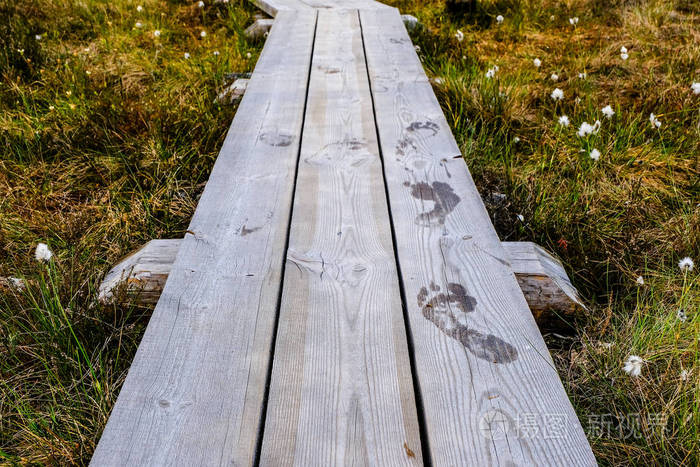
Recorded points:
142,274
341,390
271,7
544,282
194,393
489,389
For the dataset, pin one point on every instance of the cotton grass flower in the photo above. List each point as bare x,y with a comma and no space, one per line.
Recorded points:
203,34
587,129
680,314
248,55
216,53
42,252
37,37
564,121
608,111
573,21
582,75
623,50
686,264
554,77
633,365
684,375
139,8
156,33
557,94
200,4
516,140
138,25
595,154
521,218
624,56
16,283
459,35
538,63
655,122
695,87
492,72
499,19
640,281
187,56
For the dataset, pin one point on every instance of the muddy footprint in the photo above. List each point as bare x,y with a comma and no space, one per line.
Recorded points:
443,197
448,311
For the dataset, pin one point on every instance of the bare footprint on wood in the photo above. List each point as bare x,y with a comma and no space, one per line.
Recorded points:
441,194
448,311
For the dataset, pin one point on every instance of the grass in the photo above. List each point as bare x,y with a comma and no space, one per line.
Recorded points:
108,135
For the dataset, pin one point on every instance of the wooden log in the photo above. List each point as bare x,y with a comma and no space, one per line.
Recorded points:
139,278
232,92
259,28
544,282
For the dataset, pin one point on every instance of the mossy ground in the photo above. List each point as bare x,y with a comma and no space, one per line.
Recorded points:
108,134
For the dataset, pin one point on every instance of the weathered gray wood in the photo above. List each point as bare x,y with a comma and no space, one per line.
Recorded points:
541,277
233,92
271,7
259,28
341,390
484,371
194,393
142,274
543,280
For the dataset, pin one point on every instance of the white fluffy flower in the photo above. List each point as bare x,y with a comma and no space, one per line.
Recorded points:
203,34
16,283
42,252
499,19
537,62
521,218
595,154
139,8
640,280
187,56
216,53
573,21
200,4
37,37
684,375
156,33
696,88
492,71
587,129
557,94
680,314
248,55
624,56
655,122
459,35
686,264
554,77
608,111
564,121
623,50
582,75
138,25
633,365
516,140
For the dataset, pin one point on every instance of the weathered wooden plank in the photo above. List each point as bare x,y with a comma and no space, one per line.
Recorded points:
489,389
194,393
271,7
341,390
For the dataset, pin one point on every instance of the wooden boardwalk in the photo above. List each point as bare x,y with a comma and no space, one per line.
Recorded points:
341,296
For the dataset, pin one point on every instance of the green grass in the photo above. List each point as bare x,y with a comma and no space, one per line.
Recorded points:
108,135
